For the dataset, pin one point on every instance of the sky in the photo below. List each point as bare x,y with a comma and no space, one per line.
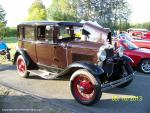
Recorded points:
140,10
17,10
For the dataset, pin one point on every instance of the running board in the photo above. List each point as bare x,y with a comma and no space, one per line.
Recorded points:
44,74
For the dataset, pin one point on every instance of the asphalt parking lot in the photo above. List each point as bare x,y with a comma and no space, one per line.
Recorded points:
57,92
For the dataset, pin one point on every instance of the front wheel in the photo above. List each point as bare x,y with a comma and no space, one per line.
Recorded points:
22,67
85,88
145,66
127,70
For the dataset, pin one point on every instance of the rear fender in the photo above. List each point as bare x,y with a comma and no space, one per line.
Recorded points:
24,54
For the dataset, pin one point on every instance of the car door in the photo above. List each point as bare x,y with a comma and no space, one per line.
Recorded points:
45,46
60,56
50,53
45,53
26,41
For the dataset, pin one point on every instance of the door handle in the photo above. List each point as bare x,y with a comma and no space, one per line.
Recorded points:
56,59
55,47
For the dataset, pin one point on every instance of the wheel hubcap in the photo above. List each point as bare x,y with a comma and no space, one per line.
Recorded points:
86,87
21,66
83,87
146,66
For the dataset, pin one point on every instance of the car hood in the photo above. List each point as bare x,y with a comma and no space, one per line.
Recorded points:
144,50
85,45
142,43
146,41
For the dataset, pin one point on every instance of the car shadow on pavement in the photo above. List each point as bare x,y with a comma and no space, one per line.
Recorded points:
123,91
39,78
4,67
35,77
27,104
23,101
61,78
103,106
136,88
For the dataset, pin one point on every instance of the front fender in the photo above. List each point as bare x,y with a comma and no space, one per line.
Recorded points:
127,59
93,69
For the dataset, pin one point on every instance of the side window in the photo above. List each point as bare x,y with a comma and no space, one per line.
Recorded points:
64,32
41,33
45,33
49,33
20,32
29,33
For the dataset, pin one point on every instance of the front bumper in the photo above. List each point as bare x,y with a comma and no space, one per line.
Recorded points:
116,83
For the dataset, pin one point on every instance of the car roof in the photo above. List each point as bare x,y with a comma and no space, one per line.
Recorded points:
39,23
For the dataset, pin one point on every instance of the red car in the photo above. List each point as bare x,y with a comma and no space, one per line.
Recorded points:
140,56
146,36
137,32
139,43
142,43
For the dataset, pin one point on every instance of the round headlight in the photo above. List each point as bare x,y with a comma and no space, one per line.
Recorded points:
121,52
101,55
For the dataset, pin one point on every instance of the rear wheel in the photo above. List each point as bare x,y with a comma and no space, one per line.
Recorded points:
85,88
127,71
145,66
22,67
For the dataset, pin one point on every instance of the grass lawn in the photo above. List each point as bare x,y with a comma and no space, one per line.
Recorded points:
10,39
11,43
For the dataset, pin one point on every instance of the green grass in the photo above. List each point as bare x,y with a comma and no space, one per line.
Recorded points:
10,39
13,47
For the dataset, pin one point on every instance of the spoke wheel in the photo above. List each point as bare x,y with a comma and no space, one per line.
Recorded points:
85,87
22,67
145,66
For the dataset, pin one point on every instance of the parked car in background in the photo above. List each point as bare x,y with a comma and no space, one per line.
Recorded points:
142,43
51,50
136,32
140,56
146,36
139,43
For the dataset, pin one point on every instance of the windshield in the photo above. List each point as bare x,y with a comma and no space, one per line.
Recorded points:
128,37
70,31
129,44
125,36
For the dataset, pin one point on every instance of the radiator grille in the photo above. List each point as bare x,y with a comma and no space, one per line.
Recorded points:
109,52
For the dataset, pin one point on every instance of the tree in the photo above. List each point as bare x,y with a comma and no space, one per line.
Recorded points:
145,25
108,13
37,11
63,10
2,21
